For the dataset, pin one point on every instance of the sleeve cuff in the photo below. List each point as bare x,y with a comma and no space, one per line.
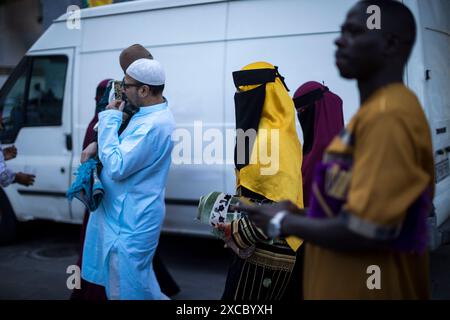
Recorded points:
111,119
113,114
369,229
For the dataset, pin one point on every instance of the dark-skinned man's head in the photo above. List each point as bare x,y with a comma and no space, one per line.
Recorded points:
362,52
131,54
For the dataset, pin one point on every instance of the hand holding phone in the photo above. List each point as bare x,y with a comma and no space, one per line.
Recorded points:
116,105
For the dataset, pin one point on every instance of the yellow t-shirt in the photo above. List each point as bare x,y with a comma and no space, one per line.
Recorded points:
389,143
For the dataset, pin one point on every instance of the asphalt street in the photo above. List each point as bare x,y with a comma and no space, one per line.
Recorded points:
35,266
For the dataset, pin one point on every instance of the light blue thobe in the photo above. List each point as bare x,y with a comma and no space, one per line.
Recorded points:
123,233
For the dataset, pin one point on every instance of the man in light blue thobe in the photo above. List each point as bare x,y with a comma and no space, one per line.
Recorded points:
123,233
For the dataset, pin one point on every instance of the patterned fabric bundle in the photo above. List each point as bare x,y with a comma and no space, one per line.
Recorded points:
263,267
87,186
217,210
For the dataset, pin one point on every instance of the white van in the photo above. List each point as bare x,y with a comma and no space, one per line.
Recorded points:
48,101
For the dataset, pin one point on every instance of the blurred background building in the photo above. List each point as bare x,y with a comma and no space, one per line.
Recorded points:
23,21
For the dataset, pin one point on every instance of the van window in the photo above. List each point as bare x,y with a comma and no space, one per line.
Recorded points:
46,91
33,96
12,106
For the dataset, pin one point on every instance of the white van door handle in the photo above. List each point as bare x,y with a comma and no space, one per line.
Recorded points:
69,142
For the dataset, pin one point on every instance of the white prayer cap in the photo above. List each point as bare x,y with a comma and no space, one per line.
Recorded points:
148,71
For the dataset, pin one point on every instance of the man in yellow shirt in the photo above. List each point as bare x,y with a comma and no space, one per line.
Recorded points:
366,225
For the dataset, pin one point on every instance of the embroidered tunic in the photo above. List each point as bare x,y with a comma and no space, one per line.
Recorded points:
378,175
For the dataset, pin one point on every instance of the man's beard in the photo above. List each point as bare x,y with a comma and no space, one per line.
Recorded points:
130,108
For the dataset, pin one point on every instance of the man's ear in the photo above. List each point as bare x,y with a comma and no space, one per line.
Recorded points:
392,44
144,91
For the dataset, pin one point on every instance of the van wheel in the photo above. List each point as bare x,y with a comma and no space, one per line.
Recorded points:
8,221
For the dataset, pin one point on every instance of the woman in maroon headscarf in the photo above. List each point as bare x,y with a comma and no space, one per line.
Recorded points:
90,133
320,114
90,291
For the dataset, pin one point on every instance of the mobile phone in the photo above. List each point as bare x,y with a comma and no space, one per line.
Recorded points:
117,87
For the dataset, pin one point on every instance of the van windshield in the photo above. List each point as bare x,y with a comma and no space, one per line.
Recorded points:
33,96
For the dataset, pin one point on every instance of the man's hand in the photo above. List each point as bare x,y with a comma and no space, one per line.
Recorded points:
260,215
89,152
24,179
10,153
116,105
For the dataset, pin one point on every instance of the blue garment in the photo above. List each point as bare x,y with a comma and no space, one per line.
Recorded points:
127,224
87,186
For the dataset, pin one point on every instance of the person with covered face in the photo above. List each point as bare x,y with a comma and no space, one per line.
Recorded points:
267,166
320,114
123,233
366,229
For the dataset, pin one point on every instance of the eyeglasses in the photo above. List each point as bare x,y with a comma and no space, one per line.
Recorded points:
125,85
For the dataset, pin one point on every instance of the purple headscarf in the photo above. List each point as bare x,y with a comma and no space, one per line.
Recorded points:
321,117
89,135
